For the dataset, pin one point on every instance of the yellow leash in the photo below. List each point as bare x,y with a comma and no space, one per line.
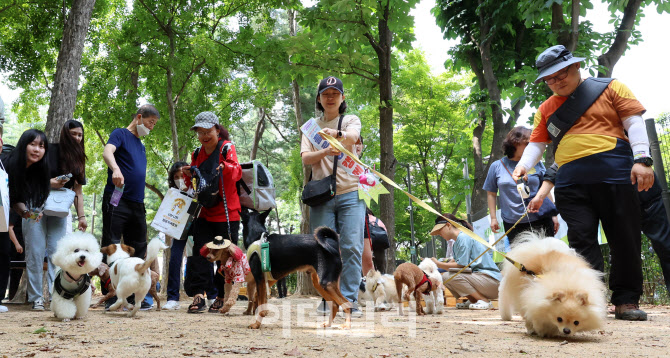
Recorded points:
337,145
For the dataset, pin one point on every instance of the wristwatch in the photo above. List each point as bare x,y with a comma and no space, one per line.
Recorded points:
646,161
339,134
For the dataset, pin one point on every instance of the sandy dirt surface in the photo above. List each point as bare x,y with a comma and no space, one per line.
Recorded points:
291,330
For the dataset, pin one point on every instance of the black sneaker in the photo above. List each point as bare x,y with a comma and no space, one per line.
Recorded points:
145,306
110,301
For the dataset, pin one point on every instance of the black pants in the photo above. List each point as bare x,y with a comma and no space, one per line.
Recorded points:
655,225
617,207
5,250
281,288
543,227
199,272
128,221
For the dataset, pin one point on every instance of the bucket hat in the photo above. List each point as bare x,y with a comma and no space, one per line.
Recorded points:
554,59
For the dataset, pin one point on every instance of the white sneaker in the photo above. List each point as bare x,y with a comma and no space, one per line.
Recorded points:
209,302
171,305
38,305
481,305
3,309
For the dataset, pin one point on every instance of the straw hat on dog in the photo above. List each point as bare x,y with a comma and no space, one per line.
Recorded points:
218,243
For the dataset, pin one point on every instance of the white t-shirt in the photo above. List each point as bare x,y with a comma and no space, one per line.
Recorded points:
346,183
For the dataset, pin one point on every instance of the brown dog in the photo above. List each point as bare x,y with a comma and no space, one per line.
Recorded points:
222,252
417,281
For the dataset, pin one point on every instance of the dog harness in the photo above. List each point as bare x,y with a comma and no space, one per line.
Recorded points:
424,280
255,249
71,292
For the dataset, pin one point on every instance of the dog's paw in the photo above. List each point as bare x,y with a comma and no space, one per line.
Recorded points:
255,325
247,313
66,320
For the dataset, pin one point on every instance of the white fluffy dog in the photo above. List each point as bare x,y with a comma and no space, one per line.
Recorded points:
434,300
382,290
130,275
76,254
566,297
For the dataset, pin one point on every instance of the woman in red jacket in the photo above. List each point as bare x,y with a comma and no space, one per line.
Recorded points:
220,215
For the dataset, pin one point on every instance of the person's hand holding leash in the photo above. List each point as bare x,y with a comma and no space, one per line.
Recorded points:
519,172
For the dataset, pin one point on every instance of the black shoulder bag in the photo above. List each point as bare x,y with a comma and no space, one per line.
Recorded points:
319,192
574,107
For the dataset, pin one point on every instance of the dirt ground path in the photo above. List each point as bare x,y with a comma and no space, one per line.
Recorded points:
462,333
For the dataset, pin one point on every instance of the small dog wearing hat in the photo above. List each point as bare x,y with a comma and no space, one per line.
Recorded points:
234,267
131,275
76,254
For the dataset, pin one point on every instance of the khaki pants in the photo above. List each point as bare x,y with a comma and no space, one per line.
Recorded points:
468,283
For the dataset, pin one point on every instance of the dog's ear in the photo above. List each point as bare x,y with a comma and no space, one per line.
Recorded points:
583,298
129,249
108,250
264,215
557,296
244,213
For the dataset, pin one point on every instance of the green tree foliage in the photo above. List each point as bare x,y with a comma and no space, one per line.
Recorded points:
433,137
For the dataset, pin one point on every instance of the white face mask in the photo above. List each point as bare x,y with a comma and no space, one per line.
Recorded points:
142,130
181,184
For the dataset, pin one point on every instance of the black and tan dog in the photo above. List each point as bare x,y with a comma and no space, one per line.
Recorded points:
318,255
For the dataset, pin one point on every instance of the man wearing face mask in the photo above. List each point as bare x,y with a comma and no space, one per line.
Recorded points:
126,159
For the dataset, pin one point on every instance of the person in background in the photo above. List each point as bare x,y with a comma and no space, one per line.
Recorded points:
373,258
281,288
29,185
222,219
345,211
176,180
126,159
480,286
499,180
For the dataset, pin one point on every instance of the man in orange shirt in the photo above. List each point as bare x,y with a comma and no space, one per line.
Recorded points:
597,173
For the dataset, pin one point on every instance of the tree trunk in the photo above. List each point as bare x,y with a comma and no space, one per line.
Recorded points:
170,101
387,158
612,56
66,81
258,134
304,285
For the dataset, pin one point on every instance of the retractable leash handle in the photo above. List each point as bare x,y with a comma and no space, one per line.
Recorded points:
522,188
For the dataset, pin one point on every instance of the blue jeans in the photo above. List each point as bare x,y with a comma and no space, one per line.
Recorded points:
41,239
174,269
345,214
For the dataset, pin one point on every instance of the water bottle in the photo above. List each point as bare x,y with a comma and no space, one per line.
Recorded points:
116,195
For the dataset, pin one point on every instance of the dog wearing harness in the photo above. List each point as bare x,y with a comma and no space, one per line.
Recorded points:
410,275
76,255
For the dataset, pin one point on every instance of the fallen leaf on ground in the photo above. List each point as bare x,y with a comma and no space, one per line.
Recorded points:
40,330
293,353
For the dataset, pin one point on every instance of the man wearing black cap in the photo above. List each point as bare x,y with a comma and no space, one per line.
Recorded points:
597,170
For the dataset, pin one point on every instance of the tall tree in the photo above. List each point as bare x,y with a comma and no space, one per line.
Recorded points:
66,81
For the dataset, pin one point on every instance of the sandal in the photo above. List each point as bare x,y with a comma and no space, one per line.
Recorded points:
216,305
198,305
463,305
481,305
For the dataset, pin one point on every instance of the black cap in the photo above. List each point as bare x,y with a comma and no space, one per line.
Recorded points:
331,82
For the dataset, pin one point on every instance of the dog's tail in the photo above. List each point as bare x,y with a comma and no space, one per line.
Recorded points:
328,239
153,248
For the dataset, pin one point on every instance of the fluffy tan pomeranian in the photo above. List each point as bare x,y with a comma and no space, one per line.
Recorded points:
567,296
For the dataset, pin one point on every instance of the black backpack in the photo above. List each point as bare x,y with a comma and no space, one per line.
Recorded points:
377,234
208,176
